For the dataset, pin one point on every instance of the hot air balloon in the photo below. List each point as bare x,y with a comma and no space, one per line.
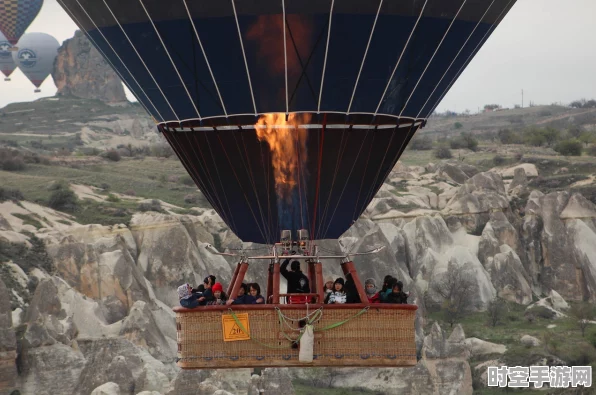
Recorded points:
289,115
16,16
7,65
35,56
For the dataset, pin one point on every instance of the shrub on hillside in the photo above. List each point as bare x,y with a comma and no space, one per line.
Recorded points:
499,160
591,150
113,155
13,164
465,140
113,198
191,199
457,143
187,180
154,205
422,143
11,160
507,136
10,194
569,148
63,199
443,153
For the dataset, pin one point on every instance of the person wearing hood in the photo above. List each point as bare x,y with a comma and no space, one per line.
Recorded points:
371,291
329,286
387,288
338,295
397,295
188,296
219,296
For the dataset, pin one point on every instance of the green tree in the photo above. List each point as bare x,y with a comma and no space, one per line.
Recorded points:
458,125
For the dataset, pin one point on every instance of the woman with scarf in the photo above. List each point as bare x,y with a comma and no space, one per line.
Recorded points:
371,291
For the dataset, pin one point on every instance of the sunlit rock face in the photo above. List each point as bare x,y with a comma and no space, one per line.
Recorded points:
81,71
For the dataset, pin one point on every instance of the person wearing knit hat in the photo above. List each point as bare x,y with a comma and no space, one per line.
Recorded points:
338,295
219,297
371,291
329,285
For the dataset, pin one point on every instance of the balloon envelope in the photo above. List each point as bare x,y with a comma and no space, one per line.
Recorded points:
352,79
35,56
16,16
7,65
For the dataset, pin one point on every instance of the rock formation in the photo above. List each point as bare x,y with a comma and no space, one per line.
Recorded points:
101,321
81,71
8,344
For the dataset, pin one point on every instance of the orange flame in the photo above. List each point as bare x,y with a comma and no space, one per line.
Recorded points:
287,143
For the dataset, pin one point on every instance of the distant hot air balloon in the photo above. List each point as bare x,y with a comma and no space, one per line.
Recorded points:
7,65
35,56
16,16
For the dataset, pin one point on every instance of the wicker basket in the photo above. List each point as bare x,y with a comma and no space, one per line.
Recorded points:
374,335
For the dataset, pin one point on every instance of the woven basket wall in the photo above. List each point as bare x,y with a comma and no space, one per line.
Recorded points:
382,336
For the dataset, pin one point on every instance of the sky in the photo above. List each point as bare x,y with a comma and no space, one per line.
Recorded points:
545,47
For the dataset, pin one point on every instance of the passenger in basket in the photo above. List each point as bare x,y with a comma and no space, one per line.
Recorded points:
208,283
397,295
352,295
243,296
390,283
371,291
297,282
255,292
219,296
187,297
328,286
338,295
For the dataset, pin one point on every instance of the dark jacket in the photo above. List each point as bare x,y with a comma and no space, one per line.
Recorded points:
351,291
212,301
244,299
398,298
297,281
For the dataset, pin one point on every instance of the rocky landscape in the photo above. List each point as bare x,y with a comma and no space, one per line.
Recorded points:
86,309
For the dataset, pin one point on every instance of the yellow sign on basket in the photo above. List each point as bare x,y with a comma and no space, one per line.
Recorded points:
232,331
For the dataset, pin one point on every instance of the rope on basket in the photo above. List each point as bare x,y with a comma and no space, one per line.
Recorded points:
316,316
340,323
